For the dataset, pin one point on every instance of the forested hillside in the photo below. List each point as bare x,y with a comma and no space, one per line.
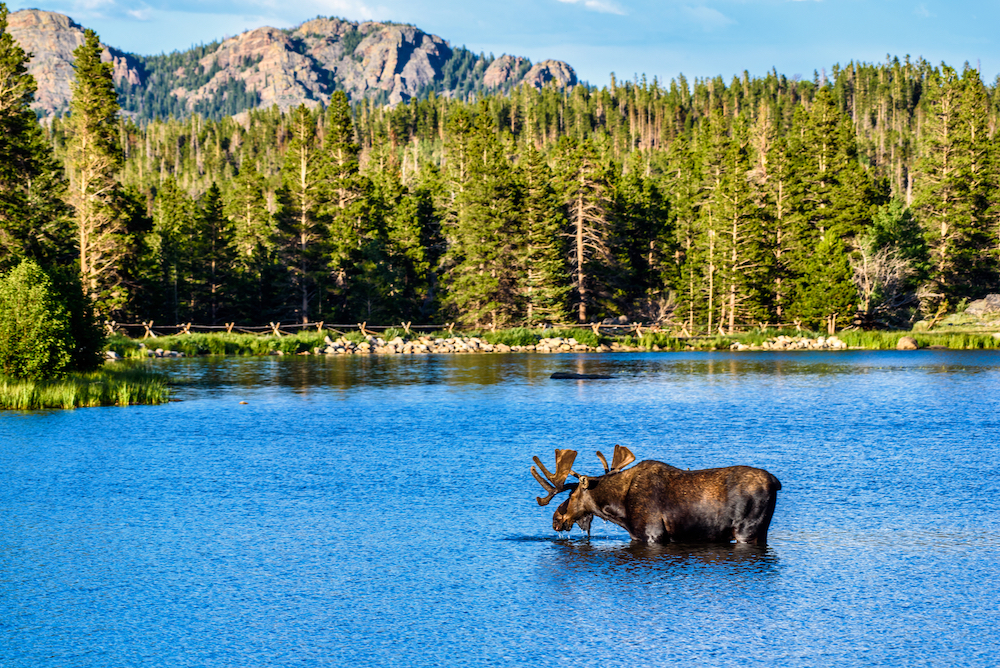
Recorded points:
866,197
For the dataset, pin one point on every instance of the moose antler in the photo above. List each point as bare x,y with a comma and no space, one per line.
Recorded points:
564,467
623,457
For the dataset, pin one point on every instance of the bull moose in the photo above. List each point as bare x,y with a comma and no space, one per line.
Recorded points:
658,503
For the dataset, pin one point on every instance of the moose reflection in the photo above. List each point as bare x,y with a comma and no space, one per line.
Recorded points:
658,503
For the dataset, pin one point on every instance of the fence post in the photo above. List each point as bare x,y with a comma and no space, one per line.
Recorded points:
229,327
406,327
274,328
319,326
149,330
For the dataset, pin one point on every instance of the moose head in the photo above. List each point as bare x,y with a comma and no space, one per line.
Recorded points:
578,508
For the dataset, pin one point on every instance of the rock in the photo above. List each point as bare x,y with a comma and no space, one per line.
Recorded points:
907,343
566,375
505,71
988,304
112,355
301,65
51,38
550,70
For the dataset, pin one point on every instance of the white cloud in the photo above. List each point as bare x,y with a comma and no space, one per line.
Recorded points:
708,18
602,6
922,11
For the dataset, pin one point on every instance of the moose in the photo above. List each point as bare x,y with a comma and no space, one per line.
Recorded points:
658,503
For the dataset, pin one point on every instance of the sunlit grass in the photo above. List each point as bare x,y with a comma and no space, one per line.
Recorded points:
115,384
219,344
255,344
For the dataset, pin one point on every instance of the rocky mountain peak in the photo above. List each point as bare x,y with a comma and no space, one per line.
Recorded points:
386,62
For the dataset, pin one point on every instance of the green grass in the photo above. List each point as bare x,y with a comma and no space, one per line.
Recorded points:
220,344
517,336
115,384
256,344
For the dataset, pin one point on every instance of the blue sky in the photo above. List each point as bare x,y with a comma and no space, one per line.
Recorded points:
597,37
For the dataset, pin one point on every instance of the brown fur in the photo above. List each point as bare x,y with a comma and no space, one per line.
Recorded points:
658,503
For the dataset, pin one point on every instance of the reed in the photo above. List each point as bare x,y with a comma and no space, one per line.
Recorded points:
221,343
118,384
517,336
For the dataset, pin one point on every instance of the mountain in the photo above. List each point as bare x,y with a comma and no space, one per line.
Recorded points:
386,63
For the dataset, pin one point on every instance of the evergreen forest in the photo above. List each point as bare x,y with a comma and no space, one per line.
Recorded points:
865,197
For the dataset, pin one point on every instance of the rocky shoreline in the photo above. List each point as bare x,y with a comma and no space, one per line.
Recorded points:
458,345
428,345
794,343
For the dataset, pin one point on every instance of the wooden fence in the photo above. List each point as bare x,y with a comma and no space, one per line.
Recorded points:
152,330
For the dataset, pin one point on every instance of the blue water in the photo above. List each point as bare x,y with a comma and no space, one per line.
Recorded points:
380,511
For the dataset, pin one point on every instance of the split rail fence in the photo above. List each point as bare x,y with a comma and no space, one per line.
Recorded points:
150,329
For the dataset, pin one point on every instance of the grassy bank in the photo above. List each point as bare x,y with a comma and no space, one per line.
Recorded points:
113,385
306,342
871,340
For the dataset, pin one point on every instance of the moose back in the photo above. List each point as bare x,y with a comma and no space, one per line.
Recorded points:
659,503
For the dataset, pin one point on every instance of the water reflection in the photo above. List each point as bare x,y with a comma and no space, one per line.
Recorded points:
655,562
345,372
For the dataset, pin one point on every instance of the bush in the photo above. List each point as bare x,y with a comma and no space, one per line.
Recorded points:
89,338
36,338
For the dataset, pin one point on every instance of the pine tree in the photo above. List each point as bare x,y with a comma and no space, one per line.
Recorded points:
253,242
586,193
744,256
411,227
683,179
485,240
94,161
546,280
645,247
953,188
826,292
171,243
32,214
214,269
355,242
303,173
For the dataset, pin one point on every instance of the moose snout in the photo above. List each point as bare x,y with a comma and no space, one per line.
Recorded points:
561,523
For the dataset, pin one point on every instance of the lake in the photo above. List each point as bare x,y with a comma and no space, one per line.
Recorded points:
380,511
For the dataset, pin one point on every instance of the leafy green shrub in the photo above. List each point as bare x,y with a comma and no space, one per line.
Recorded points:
36,339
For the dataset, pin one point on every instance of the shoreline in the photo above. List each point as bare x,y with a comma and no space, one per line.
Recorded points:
370,344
